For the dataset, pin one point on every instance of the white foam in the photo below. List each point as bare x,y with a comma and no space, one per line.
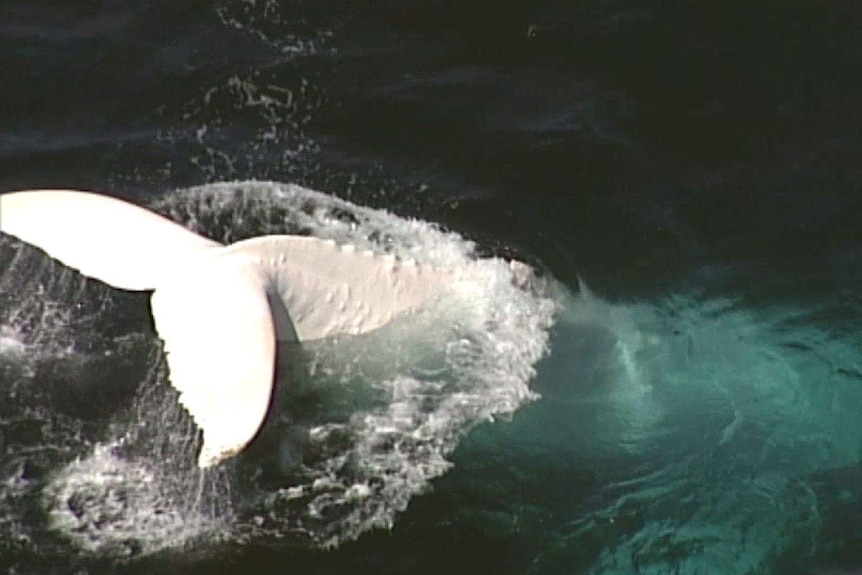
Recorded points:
107,504
11,342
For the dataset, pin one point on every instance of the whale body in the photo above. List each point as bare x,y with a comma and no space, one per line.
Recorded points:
221,309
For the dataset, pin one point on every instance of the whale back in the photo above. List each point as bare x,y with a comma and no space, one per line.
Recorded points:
116,242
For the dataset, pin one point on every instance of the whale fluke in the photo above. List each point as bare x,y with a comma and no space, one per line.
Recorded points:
221,309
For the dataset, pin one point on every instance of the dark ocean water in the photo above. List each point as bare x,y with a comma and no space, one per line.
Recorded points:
696,164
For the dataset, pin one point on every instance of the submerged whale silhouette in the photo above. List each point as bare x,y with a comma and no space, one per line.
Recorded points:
220,309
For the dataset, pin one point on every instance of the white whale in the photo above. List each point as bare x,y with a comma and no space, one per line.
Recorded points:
221,309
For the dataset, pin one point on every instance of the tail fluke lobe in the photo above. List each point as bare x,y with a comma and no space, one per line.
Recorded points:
118,243
219,339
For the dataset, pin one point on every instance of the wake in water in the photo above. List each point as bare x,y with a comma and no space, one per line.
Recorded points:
719,437
359,424
725,438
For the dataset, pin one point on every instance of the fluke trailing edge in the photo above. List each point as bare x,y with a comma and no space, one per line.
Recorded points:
221,309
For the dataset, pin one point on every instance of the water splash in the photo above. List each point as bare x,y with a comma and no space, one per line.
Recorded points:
253,119
434,376
141,492
360,425
272,23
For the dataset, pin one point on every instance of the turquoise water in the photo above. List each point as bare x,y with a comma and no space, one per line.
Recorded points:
674,389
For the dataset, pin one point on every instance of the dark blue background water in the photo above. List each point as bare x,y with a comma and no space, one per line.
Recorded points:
642,145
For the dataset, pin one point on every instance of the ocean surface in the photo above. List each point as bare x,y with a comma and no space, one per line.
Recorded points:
670,382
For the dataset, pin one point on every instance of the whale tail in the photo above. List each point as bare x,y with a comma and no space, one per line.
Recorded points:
221,309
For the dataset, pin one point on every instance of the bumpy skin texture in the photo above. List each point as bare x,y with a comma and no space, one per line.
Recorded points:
220,310
330,289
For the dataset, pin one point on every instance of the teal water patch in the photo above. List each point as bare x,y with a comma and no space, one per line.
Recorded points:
702,436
